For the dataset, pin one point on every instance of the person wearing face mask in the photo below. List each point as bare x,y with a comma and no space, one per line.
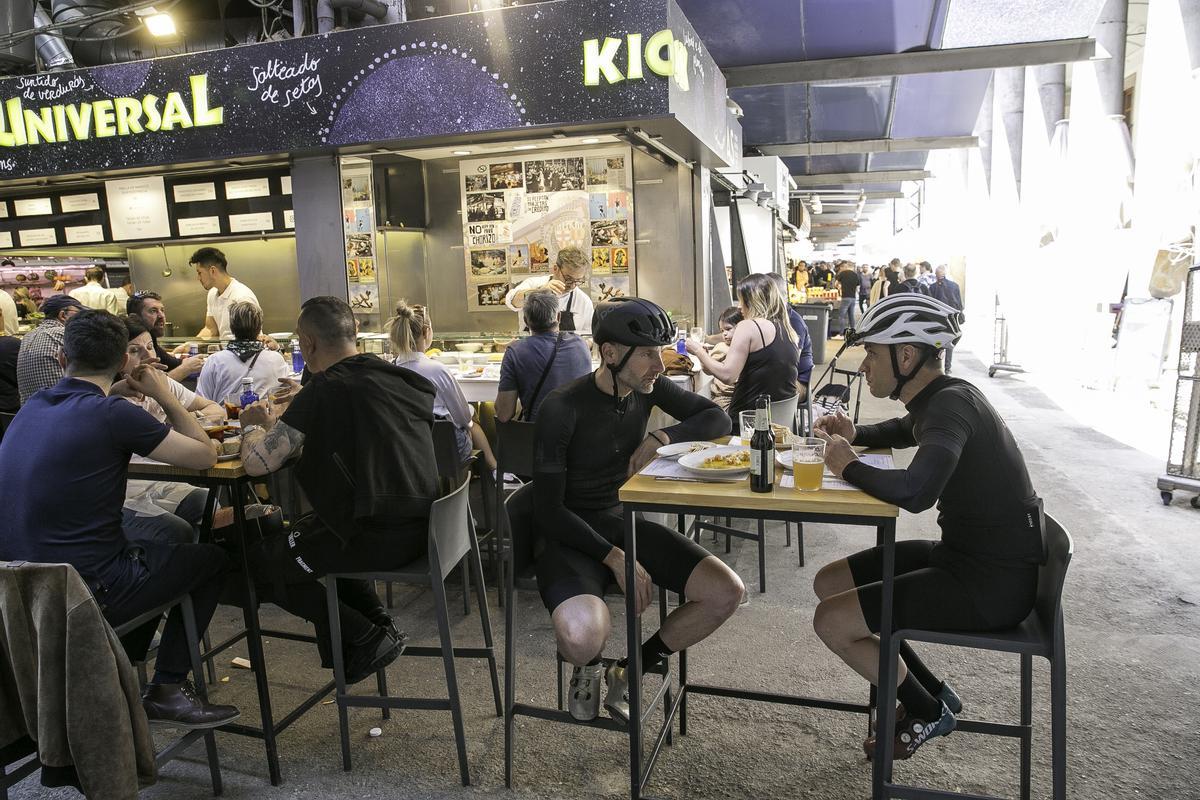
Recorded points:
590,437
566,279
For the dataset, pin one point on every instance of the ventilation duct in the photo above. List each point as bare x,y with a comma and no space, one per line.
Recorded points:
14,18
361,8
51,49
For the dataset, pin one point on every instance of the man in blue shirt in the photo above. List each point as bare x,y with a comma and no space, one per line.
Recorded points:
63,466
535,367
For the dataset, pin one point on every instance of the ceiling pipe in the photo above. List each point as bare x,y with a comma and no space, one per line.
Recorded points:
326,20
51,48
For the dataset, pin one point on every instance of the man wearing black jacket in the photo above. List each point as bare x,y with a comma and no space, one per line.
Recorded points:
591,436
363,431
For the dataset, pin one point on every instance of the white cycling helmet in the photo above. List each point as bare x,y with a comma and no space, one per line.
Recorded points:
909,318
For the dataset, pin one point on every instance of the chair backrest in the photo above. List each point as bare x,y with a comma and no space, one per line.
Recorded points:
514,447
445,452
518,514
1059,549
450,532
783,412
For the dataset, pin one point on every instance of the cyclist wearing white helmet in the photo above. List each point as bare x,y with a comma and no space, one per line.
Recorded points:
591,436
982,574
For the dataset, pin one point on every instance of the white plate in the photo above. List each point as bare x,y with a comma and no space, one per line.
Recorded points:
682,448
692,461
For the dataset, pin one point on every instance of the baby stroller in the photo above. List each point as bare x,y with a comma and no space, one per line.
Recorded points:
831,396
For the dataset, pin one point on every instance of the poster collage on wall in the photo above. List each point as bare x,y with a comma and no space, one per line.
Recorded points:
358,223
517,215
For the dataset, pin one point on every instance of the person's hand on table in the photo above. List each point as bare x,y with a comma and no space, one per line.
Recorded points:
838,452
836,424
644,588
646,452
148,381
260,414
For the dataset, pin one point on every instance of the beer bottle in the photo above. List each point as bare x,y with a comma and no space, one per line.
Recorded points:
762,448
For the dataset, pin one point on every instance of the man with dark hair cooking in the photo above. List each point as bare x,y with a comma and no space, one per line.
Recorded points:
591,436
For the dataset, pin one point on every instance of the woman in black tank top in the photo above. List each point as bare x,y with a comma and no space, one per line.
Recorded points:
755,365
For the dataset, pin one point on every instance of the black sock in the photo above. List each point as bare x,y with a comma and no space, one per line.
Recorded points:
918,670
654,652
918,703
162,676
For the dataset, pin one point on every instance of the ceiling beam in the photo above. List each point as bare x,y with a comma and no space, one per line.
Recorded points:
842,178
920,143
996,56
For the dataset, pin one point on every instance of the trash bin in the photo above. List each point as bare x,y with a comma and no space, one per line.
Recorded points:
816,317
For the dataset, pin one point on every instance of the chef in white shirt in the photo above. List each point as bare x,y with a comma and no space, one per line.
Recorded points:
223,291
570,272
93,293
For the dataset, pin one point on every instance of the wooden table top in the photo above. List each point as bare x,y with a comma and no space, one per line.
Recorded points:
737,496
226,470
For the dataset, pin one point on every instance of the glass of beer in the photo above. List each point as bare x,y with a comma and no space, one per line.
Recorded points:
808,463
233,406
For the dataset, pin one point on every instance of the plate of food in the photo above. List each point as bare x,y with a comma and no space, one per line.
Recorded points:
717,461
682,448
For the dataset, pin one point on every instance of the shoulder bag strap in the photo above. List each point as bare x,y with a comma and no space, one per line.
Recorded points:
537,390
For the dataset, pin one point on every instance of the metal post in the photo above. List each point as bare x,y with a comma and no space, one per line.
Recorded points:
320,243
1051,80
1010,97
983,129
1111,27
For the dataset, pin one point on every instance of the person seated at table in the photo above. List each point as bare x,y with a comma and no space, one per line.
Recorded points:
38,361
63,464
411,332
535,366
763,354
162,511
590,437
722,392
245,357
362,429
982,575
149,307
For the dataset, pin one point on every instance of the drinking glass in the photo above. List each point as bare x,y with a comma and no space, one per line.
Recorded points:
746,419
233,405
808,463
697,334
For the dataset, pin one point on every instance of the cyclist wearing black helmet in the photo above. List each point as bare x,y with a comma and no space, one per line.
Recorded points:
982,574
591,436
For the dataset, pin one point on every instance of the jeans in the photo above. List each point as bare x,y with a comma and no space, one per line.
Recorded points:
182,527
152,574
846,313
287,566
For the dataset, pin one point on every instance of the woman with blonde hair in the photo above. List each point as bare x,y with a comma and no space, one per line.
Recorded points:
763,353
410,332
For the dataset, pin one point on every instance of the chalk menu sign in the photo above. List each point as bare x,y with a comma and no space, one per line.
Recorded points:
137,208
498,70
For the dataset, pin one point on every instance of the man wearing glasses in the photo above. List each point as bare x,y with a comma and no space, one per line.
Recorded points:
149,308
566,279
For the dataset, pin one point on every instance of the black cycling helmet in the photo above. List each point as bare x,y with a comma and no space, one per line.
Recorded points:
632,321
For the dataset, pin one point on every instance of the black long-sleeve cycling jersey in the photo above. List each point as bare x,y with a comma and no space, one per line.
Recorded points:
967,462
584,441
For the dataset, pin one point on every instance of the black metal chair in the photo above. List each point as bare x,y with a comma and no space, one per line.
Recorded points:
27,765
1041,634
451,540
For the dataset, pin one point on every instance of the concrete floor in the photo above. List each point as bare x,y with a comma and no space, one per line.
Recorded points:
1132,640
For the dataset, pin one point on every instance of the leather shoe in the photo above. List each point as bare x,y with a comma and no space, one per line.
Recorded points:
177,704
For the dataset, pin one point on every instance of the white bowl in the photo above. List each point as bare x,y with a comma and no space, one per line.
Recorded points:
468,347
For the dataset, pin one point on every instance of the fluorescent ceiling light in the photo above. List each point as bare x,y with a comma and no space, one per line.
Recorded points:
461,152
525,147
590,140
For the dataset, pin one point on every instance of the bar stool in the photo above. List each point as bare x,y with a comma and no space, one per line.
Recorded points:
451,540
1041,634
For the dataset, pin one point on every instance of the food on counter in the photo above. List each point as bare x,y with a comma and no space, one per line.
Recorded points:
433,352
468,347
495,358
737,460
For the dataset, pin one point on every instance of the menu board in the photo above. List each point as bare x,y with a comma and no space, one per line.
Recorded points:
81,234
33,206
38,237
199,226
195,192
518,214
137,208
72,203
251,187
5,239
358,222
247,223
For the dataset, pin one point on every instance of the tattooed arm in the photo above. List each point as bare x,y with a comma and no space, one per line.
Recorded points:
266,450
